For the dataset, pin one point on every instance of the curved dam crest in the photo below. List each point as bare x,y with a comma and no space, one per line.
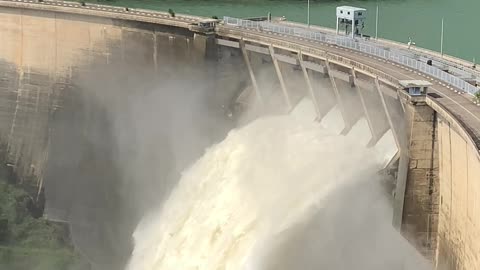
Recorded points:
71,83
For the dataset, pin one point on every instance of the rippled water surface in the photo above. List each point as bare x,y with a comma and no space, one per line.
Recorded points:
398,19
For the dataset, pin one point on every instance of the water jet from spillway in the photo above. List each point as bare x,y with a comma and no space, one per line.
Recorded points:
250,198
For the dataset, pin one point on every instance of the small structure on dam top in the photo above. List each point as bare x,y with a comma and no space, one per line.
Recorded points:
414,91
415,87
353,16
206,26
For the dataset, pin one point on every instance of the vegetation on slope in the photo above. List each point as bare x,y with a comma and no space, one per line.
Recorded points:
476,97
26,242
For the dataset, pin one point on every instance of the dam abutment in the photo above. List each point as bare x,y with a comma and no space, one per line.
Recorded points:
421,199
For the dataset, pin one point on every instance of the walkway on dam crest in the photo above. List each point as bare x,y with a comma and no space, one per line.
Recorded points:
107,11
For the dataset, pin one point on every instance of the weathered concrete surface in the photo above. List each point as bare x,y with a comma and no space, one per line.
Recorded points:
323,89
41,49
372,108
295,80
353,110
459,215
420,211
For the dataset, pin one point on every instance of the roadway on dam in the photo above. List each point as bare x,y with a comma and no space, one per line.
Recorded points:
104,11
458,104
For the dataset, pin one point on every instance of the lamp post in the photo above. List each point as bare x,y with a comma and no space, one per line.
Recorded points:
376,24
308,13
441,40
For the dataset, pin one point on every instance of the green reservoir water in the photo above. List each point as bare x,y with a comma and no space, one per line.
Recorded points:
398,19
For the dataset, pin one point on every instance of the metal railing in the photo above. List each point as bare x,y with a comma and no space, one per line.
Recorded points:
107,8
355,44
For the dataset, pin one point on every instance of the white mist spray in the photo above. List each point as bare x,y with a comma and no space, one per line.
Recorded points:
281,193
259,182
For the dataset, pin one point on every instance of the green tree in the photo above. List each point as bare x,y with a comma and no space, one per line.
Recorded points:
27,242
476,97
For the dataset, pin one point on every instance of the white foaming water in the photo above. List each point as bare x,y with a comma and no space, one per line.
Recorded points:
262,180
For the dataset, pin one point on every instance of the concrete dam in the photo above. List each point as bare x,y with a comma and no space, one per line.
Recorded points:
73,76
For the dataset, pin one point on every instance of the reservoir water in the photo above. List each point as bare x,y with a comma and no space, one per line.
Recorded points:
398,19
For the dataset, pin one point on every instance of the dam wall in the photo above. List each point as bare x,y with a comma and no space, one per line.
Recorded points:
73,89
73,86
421,203
442,194
40,52
459,197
